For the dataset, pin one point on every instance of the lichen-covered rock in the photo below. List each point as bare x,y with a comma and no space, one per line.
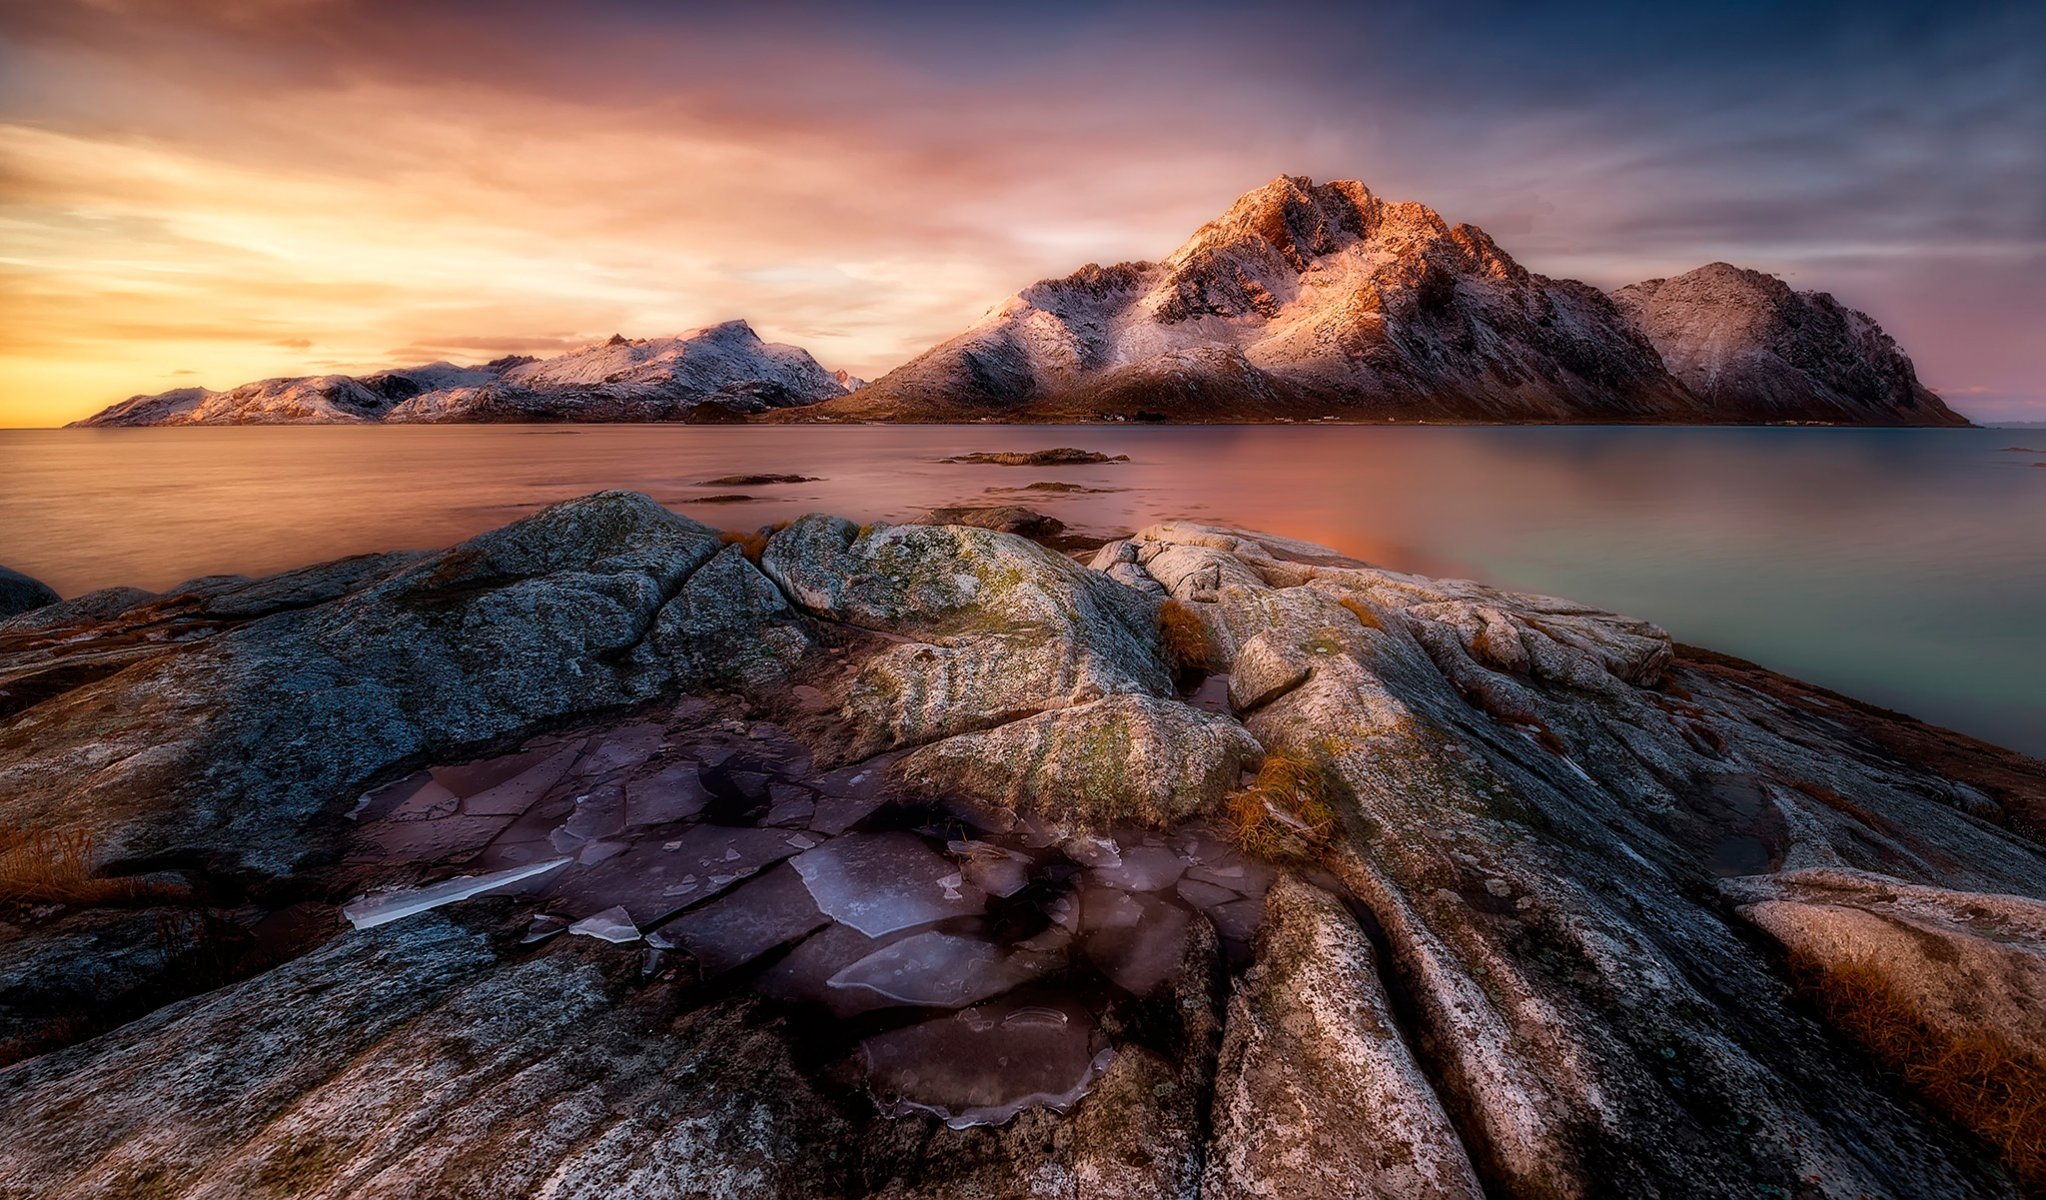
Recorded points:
1473,782
1571,881
1317,1094
1118,760
994,627
225,746
729,627
1964,963
415,1060
1264,669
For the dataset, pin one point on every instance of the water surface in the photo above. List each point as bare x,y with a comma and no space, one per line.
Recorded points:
1906,567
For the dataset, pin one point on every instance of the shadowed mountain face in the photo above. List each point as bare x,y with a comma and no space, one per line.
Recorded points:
1312,300
717,373
1753,349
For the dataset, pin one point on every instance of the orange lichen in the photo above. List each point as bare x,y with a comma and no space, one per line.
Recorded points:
1365,614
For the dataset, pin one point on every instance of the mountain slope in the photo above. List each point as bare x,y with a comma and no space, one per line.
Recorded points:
1312,300
1753,349
718,372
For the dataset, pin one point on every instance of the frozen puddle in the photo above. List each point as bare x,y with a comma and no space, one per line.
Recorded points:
965,962
983,1065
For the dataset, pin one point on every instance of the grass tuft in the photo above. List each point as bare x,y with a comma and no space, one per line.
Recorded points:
1983,1081
1188,648
1365,614
38,867
1285,812
752,545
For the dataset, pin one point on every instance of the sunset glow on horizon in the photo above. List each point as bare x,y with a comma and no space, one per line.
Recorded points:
212,193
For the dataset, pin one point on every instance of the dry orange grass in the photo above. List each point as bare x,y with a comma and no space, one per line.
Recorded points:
1187,645
1986,1083
57,868
1362,611
752,545
1285,811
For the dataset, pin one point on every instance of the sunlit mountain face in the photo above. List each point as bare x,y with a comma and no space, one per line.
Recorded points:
211,193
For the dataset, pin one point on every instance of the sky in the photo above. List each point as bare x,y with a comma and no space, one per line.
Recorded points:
215,191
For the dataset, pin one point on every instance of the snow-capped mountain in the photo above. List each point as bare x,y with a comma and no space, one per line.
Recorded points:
1311,300
1753,349
716,373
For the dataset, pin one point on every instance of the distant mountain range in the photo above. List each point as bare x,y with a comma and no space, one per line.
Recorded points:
721,373
1303,301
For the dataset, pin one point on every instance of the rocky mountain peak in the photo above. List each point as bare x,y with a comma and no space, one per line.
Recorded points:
734,330
1292,216
1325,300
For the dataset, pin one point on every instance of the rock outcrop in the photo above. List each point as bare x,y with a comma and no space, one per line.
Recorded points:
19,594
1325,301
720,372
901,862
1755,350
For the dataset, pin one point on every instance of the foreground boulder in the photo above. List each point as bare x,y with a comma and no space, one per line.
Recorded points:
777,850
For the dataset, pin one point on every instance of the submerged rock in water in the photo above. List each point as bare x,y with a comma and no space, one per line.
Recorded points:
921,834
1061,457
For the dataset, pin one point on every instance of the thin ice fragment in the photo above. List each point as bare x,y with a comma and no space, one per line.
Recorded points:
611,925
748,922
367,912
943,970
882,882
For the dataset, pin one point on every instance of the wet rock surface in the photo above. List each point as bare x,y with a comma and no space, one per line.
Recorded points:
598,857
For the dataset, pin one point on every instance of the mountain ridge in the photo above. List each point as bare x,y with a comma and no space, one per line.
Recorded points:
1302,301
1309,300
718,372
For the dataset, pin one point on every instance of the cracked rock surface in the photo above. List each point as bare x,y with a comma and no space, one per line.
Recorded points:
897,862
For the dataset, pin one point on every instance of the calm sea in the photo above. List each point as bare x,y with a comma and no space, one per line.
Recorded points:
1906,567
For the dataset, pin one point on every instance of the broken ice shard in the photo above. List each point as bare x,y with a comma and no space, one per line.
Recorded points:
612,925
881,882
745,924
367,912
943,970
